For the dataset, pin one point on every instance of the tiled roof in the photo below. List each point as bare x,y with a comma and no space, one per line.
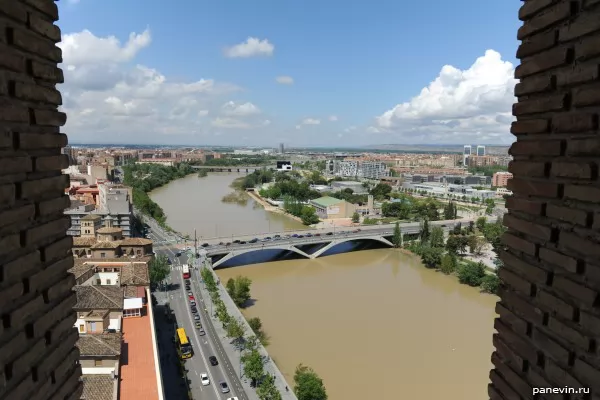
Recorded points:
84,241
106,245
327,201
97,387
99,297
135,274
91,217
97,314
135,242
104,344
109,230
80,267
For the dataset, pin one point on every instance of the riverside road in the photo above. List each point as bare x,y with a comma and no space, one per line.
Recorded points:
204,346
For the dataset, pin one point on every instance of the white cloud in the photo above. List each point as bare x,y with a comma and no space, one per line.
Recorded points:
229,123
350,129
285,80
333,118
239,110
252,47
109,98
308,121
471,104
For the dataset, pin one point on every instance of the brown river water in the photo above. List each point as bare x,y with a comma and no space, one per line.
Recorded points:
374,324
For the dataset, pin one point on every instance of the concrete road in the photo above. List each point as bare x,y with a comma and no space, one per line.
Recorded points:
204,346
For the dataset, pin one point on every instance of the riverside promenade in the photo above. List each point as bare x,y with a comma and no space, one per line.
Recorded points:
232,352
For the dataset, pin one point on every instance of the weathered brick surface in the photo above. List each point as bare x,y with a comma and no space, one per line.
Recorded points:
549,321
35,289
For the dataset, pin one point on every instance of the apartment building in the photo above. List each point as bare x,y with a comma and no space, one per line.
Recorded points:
357,169
500,179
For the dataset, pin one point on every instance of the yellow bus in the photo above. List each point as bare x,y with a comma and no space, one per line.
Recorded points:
184,348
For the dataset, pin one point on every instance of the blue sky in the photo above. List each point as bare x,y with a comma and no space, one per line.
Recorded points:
358,71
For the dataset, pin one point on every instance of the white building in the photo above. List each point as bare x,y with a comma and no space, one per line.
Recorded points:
357,169
466,154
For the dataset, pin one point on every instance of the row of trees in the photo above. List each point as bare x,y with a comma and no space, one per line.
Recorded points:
305,212
240,160
239,290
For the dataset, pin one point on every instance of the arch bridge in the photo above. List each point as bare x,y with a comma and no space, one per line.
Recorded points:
229,168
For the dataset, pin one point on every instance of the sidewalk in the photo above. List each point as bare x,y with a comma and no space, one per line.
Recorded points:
234,354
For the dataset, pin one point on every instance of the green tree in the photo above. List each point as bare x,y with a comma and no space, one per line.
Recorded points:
308,385
431,256
381,191
253,365
239,289
255,324
437,237
471,273
308,215
209,279
235,329
490,283
267,389
493,233
397,238
448,264
480,223
425,233
158,269
355,217
202,173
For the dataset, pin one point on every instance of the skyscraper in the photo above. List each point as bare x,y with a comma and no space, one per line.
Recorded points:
281,149
481,150
466,153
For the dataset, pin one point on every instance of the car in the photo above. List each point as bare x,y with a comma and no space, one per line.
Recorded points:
237,241
188,282
213,360
295,235
329,233
192,303
277,236
300,236
178,254
201,332
204,244
169,261
191,295
221,243
242,242
196,317
204,379
356,231
253,240
232,398
309,235
198,325
194,310
188,288
268,238
317,234
224,387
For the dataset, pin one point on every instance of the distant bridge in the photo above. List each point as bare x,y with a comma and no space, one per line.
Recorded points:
313,243
233,168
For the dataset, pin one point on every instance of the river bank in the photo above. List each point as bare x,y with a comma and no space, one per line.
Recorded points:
271,208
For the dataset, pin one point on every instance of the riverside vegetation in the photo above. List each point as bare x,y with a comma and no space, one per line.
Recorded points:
308,385
143,178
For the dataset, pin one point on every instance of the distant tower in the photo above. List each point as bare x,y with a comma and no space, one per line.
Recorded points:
481,150
466,154
281,149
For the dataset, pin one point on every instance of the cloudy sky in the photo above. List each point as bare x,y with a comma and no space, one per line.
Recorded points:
305,73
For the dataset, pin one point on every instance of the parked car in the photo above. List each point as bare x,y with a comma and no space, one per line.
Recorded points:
213,360
188,288
309,235
329,233
204,244
194,310
192,303
196,317
188,282
178,254
253,240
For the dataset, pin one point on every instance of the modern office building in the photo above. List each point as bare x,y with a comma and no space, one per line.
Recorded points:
466,154
480,151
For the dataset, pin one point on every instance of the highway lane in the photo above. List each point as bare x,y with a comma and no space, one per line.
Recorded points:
204,346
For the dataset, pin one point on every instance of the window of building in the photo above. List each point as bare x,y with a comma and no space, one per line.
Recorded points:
98,282
108,282
139,252
81,328
102,255
97,363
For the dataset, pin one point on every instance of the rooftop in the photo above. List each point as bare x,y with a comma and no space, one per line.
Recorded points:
97,387
327,201
91,217
135,242
135,274
109,230
105,245
104,344
84,241
99,297
138,374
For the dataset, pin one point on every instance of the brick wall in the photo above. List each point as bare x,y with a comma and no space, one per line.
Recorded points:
549,323
37,353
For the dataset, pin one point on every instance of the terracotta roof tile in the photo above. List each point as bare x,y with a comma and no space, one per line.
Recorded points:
99,297
136,242
98,387
106,245
109,230
104,344
135,274
84,241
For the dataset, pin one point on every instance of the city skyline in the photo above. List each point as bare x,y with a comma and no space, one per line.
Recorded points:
146,79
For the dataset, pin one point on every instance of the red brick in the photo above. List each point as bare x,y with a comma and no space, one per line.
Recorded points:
587,374
517,324
531,272
532,7
527,168
528,206
516,381
534,84
541,105
584,24
578,74
527,227
573,170
51,163
583,193
521,344
50,118
545,61
587,48
536,44
567,214
575,290
583,147
508,355
588,95
514,281
555,304
31,141
580,245
527,126
574,122
568,333
536,147
534,188
519,244
544,20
